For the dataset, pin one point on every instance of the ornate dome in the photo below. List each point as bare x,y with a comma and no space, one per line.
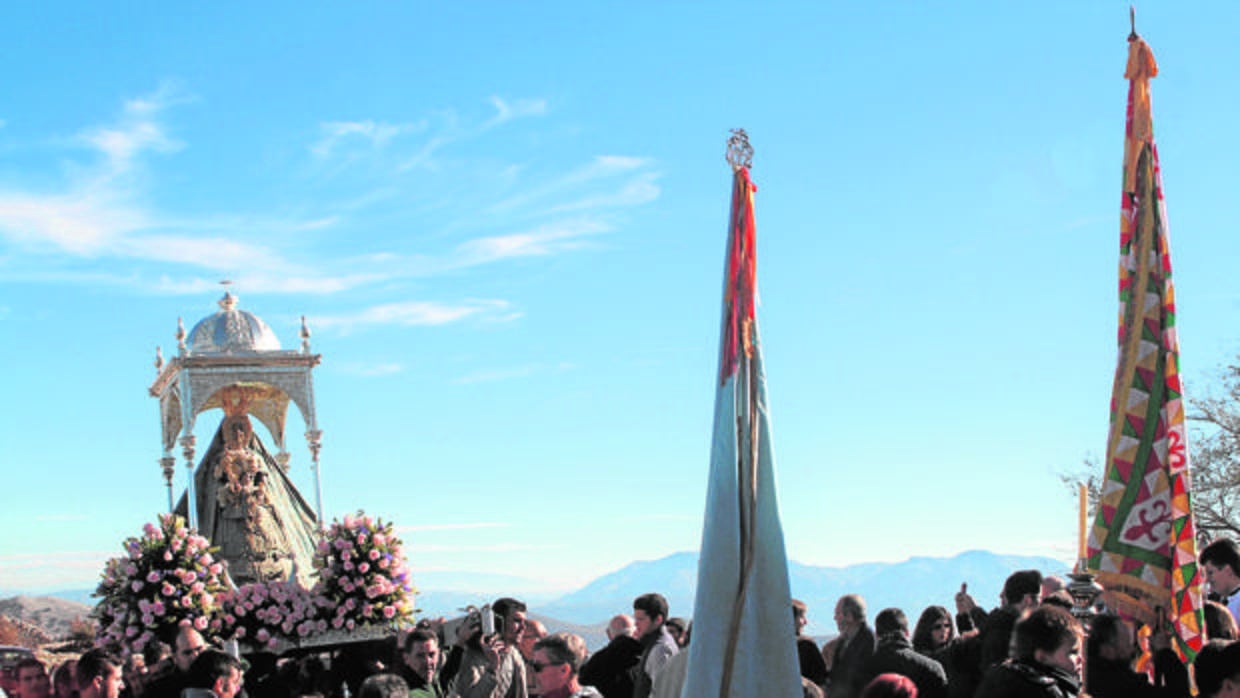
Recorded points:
231,331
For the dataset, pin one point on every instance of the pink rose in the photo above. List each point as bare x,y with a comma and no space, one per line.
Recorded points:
200,623
167,589
152,577
389,612
364,567
136,586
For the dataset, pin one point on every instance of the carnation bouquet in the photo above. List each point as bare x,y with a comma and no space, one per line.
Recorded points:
362,574
166,578
264,613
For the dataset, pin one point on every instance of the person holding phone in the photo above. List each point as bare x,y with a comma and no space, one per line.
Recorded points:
491,666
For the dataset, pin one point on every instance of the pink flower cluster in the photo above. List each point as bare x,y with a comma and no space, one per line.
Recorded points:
167,577
263,613
362,573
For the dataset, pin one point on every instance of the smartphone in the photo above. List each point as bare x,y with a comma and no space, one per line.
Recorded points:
488,621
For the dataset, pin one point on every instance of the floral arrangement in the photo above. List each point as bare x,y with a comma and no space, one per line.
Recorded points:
166,578
362,573
262,614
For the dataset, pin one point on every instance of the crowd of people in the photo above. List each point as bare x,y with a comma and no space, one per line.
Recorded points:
1031,645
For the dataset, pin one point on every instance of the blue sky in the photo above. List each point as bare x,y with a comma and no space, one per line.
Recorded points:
505,224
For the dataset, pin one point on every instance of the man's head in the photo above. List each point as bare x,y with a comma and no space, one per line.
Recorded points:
133,670
509,619
557,658
1112,639
383,686
1023,589
1217,670
891,622
1049,635
63,683
98,675
188,645
678,628
849,614
649,613
1052,584
1220,625
216,671
1221,560
534,631
621,625
155,652
32,679
421,653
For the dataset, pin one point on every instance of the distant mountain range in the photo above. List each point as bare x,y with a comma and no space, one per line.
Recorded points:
910,585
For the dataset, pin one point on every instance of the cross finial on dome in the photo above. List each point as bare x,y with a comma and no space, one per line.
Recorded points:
229,301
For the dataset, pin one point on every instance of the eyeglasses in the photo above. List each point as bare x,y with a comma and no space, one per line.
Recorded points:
539,666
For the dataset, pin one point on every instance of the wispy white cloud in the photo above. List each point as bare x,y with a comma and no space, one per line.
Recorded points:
602,167
138,129
101,214
415,313
51,568
375,134
80,223
635,192
545,240
506,111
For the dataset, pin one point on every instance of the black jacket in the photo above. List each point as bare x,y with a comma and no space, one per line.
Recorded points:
895,655
1014,679
848,666
608,669
1113,679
